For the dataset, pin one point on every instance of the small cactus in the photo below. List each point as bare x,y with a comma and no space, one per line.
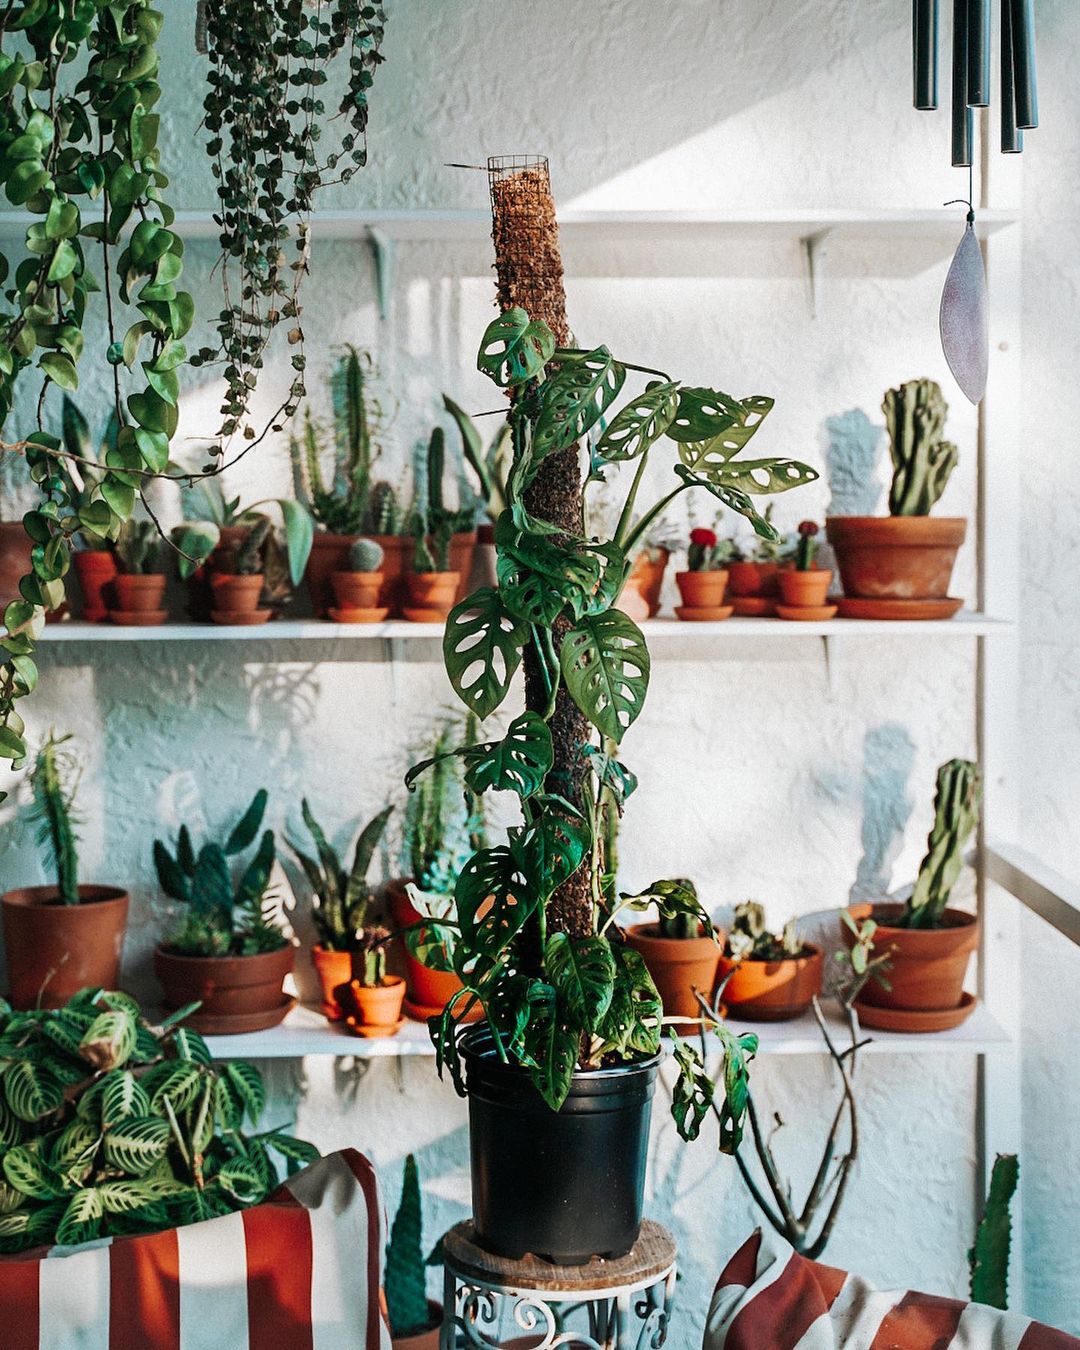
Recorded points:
383,515
371,950
751,940
365,555
956,813
406,1287
988,1259
922,460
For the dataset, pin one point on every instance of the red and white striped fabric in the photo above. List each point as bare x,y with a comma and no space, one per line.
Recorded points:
769,1298
300,1272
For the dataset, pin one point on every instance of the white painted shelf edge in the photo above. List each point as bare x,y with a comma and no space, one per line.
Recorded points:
306,1032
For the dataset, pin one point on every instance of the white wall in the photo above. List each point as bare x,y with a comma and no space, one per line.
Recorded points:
756,779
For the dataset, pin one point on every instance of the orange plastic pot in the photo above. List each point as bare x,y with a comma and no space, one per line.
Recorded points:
678,966
330,554
649,576
896,557
375,1009
805,590
54,950
702,590
237,993
356,590
96,569
138,594
428,1339
432,595
771,991
334,970
927,966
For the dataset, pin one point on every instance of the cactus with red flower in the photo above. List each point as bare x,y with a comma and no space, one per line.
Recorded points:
707,553
807,545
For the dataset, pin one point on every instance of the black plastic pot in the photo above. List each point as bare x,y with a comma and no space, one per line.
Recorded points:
566,1185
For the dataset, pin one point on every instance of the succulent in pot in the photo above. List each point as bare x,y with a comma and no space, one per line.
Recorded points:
341,902
84,472
372,999
434,585
230,954
139,586
414,1318
681,949
766,976
357,588
890,564
237,588
64,936
805,586
703,584
754,573
928,943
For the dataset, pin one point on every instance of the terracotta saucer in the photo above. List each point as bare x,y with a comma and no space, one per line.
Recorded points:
370,1031
350,614
806,613
226,1024
753,607
420,1012
138,618
424,615
705,614
913,1019
240,618
899,609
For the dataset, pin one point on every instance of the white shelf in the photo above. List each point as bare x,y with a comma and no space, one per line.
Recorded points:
306,1032
965,624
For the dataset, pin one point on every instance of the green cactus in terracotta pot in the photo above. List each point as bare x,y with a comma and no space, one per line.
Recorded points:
365,555
922,459
956,814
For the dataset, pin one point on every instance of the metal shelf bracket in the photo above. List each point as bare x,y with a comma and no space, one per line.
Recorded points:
384,256
814,253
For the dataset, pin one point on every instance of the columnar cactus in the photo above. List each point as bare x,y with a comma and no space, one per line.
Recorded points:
989,1258
956,813
922,460
342,504
406,1292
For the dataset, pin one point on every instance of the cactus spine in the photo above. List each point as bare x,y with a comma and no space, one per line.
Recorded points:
365,555
988,1260
956,813
922,460
406,1291
53,801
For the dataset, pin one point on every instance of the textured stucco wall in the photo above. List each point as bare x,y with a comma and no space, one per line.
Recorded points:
757,779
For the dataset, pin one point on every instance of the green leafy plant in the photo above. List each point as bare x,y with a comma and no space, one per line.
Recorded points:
86,466
922,459
683,922
55,783
490,464
555,999
225,918
956,814
138,548
113,1126
750,940
405,1283
207,512
247,558
988,1259
806,547
341,898
707,553
365,555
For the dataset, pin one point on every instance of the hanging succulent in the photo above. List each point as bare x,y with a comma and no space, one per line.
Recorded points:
269,60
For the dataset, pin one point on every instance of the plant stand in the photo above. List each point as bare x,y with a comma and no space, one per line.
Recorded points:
493,1301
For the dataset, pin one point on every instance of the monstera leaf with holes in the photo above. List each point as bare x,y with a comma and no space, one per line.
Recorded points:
605,664
482,650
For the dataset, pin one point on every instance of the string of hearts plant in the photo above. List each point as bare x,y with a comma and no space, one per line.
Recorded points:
556,1001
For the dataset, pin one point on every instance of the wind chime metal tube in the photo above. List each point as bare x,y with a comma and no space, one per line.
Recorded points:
924,48
978,53
962,121
1023,53
1012,138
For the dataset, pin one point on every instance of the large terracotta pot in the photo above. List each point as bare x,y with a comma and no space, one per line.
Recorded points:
678,966
422,1340
334,970
896,557
238,993
753,579
54,950
429,991
96,570
702,590
804,590
649,576
15,546
927,965
771,991
330,553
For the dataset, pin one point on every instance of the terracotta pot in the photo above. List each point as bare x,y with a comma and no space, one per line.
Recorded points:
771,991
54,950
137,594
96,570
200,597
753,578
356,590
15,546
702,590
374,1010
649,576
330,553
236,594
896,557
432,594
805,590
927,965
483,562
422,1340
334,970
678,966
245,990
632,601
428,991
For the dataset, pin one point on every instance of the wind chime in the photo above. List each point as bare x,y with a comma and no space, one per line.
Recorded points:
963,314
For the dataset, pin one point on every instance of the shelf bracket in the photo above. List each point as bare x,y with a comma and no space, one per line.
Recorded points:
814,251
384,256
830,663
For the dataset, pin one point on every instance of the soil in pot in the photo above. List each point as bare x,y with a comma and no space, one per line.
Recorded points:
771,991
678,966
927,965
374,1010
805,590
896,557
428,1339
54,950
334,970
238,993
565,1185
356,590
96,570
432,595
649,576
702,590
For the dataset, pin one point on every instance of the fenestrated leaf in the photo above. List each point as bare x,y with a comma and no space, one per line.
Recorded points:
605,665
552,848
515,348
583,972
573,400
638,424
482,646
611,773
761,475
704,456
733,498
632,1021
518,763
553,1048
494,898
538,578
693,1093
671,898
703,414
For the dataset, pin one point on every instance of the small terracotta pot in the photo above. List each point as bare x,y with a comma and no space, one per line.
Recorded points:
428,991
771,991
96,569
200,596
927,965
422,1340
702,590
433,593
236,594
137,594
15,563
678,966
483,560
334,970
649,576
356,590
238,993
805,590
54,950
896,557
330,553
753,578
374,1010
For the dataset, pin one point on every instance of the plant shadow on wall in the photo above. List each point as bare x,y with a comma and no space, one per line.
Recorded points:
888,757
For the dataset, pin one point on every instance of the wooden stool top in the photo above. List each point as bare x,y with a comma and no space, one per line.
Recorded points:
650,1257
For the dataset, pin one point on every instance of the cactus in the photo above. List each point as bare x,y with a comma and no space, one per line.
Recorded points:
444,825
956,813
365,555
371,948
138,548
406,1287
55,780
751,940
248,559
988,1259
922,460
435,528
383,514
340,899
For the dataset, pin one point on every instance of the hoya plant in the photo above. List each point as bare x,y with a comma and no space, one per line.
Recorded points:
556,997
111,1126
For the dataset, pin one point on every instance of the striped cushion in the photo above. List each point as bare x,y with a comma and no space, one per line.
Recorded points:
300,1272
769,1298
